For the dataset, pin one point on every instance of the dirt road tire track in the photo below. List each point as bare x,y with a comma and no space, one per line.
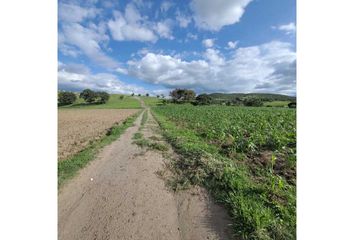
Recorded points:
120,196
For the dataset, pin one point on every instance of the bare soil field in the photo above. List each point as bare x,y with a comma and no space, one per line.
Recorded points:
76,128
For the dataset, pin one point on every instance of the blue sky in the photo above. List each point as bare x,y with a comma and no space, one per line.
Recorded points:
155,46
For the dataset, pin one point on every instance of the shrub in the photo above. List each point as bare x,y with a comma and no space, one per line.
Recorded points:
88,95
203,99
147,95
102,97
292,105
121,97
182,95
66,98
252,102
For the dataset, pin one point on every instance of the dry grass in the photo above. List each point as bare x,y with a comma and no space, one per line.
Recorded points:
77,128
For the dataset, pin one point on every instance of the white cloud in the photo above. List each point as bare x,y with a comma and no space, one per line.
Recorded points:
191,36
76,77
214,57
183,21
163,28
213,15
232,45
287,28
130,26
88,40
269,67
165,6
75,13
208,43
75,39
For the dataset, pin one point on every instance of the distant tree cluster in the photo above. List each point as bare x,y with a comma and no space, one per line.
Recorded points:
94,97
66,98
182,95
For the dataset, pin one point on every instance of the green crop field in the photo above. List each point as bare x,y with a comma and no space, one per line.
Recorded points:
245,156
114,102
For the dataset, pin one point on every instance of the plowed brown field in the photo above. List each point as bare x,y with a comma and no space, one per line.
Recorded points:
77,127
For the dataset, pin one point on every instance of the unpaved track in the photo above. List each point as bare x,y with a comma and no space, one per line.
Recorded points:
120,196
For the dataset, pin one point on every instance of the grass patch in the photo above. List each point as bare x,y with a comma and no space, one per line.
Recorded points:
276,104
68,168
151,101
262,205
137,135
144,118
114,102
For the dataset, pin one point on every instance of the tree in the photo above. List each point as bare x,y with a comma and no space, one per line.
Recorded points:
158,96
102,97
147,95
252,102
182,95
121,97
162,96
88,95
132,94
139,94
66,98
203,99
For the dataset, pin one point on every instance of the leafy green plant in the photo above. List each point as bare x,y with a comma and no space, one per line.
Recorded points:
226,149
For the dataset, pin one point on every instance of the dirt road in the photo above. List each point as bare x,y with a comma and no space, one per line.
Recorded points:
120,196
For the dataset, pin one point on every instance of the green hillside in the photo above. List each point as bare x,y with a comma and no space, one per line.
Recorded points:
263,96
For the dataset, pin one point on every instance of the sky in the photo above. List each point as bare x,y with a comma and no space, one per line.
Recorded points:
143,46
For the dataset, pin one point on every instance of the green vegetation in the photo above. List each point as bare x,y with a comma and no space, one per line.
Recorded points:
68,168
245,156
263,96
66,98
182,95
203,99
94,97
114,102
276,104
252,102
151,101
102,97
151,143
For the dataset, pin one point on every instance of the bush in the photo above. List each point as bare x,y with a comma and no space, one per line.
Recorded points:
102,97
66,98
182,95
203,99
292,105
88,95
252,102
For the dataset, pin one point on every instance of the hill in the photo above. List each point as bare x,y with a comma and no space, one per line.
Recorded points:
263,96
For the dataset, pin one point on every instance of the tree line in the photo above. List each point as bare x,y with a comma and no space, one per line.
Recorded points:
89,96
180,96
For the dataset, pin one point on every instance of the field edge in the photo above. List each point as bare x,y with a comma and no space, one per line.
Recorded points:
68,168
